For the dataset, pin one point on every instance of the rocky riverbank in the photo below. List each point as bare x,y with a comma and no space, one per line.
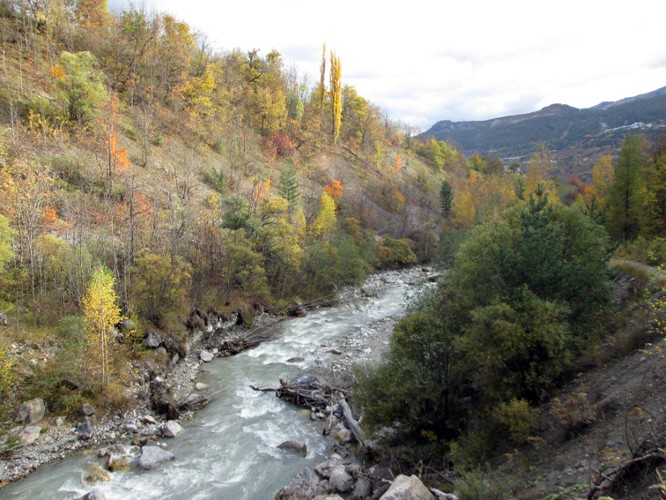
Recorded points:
52,437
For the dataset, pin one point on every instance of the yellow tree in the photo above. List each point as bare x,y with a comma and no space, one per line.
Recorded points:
100,314
322,77
324,224
538,169
602,177
336,95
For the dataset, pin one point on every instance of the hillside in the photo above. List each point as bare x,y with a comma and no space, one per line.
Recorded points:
577,137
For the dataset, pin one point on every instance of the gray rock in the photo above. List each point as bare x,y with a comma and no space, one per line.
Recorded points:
131,428
31,411
85,429
344,436
149,419
152,340
200,386
443,496
153,456
206,357
58,421
3,319
324,469
297,446
296,359
94,494
87,409
340,479
304,485
407,488
335,351
29,434
170,429
362,488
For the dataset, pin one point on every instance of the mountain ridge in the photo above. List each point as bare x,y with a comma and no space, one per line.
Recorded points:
577,137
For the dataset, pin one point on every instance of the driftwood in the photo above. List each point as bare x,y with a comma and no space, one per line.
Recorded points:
607,480
189,404
349,419
305,391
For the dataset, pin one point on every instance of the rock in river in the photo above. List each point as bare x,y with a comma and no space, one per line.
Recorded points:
153,456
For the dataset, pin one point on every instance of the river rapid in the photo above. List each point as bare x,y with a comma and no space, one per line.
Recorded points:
229,448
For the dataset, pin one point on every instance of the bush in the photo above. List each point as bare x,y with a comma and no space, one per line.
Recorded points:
519,418
575,412
395,254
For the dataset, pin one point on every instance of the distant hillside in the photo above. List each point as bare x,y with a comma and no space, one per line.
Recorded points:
578,137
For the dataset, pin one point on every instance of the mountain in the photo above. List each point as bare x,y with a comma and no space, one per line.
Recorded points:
577,137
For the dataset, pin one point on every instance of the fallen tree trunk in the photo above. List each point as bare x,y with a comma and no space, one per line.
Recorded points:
608,480
349,419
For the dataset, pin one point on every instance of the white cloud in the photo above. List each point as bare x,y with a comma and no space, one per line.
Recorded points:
425,61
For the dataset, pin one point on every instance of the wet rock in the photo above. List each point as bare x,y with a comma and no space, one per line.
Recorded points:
87,409
29,434
340,479
407,488
118,463
296,359
152,340
298,311
303,486
362,488
170,429
296,446
200,386
94,494
31,411
334,351
324,469
94,474
206,356
85,429
153,456
344,436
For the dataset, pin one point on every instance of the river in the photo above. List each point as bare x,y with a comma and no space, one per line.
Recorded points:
229,449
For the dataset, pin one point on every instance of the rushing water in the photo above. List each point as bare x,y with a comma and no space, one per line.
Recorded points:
229,450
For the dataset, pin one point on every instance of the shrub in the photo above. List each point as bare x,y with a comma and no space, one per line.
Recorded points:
575,412
519,418
395,254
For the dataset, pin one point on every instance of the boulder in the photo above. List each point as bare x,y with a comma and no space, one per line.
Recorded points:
153,456
126,325
296,359
340,479
362,488
324,469
29,434
170,429
344,436
85,429
206,357
31,411
3,319
297,446
199,386
298,311
304,485
94,494
407,488
117,463
335,351
152,340
94,474
440,495
87,409
149,419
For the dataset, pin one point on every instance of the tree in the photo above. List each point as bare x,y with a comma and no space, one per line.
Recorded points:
625,199
6,237
336,95
325,222
289,186
100,314
160,284
80,85
538,169
446,198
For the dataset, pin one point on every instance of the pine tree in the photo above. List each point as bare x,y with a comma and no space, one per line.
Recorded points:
446,198
289,187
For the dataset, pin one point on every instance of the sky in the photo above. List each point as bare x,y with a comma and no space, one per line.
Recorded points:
422,61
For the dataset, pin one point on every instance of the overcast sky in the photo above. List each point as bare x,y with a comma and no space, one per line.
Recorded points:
424,61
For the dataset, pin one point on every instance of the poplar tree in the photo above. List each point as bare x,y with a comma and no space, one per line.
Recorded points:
322,79
100,314
336,95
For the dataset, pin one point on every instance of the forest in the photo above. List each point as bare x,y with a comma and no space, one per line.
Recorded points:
145,174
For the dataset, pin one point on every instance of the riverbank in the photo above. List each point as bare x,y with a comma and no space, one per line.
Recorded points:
59,437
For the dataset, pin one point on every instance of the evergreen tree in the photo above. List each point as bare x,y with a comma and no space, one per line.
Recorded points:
289,186
625,213
446,198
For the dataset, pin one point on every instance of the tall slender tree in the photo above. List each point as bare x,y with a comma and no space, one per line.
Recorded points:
336,95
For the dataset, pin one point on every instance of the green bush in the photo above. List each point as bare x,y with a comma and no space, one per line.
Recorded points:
519,418
395,254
